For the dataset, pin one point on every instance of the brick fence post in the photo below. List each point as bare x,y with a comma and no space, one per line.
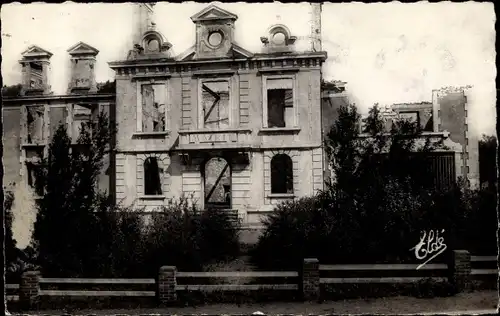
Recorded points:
29,289
166,285
310,280
460,270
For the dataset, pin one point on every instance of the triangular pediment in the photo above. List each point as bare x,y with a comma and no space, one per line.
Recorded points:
213,12
240,52
236,51
35,51
187,54
82,48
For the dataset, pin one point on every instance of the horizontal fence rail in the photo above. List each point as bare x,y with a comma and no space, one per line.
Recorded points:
483,258
378,280
96,293
483,271
339,267
11,292
211,275
97,281
235,287
378,273
238,274
484,266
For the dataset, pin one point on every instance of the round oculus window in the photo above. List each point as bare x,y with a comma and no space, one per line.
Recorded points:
215,39
279,38
153,45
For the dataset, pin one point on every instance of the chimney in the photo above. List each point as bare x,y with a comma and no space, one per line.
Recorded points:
144,20
35,71
316,27
83,59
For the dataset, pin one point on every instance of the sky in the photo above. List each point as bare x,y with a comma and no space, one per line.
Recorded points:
387,53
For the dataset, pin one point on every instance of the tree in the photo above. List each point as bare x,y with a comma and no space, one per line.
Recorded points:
487,163
12,91
67,228
373,208
106,87
11,251
380,183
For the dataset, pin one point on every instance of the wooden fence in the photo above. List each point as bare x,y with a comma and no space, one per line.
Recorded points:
484,272
381,273
309,283
190,281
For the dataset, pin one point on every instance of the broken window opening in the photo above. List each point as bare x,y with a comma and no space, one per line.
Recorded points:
35,122
82,120
36,67
410,117
36,75
152,179
34,180
215,102
217,179
280,112
281,174
429,126
153,108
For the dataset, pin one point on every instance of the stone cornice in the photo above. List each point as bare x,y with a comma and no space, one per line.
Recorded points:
70,97
258,63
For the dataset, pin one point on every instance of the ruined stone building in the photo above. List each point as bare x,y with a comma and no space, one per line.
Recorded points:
226,127
31,119
444,118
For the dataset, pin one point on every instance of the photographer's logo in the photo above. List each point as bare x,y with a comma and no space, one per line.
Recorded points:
430,243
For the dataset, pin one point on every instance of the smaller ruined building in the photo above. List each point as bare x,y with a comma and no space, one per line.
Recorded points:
444,118
31,118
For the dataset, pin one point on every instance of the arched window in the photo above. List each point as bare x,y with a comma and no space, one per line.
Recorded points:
152,181
281,174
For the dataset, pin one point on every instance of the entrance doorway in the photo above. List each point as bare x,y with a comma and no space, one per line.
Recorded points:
217,184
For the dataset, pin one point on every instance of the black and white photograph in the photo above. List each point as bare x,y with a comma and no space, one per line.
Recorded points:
240,158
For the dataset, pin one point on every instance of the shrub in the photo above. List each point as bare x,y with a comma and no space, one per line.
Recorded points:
121,247
293,231
375,208
183,236
479,223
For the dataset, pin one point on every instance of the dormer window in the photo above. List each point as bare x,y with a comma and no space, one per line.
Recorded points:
278,39
154,43
215,38
36,63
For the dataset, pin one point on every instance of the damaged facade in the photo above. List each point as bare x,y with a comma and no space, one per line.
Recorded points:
31,119
229,128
